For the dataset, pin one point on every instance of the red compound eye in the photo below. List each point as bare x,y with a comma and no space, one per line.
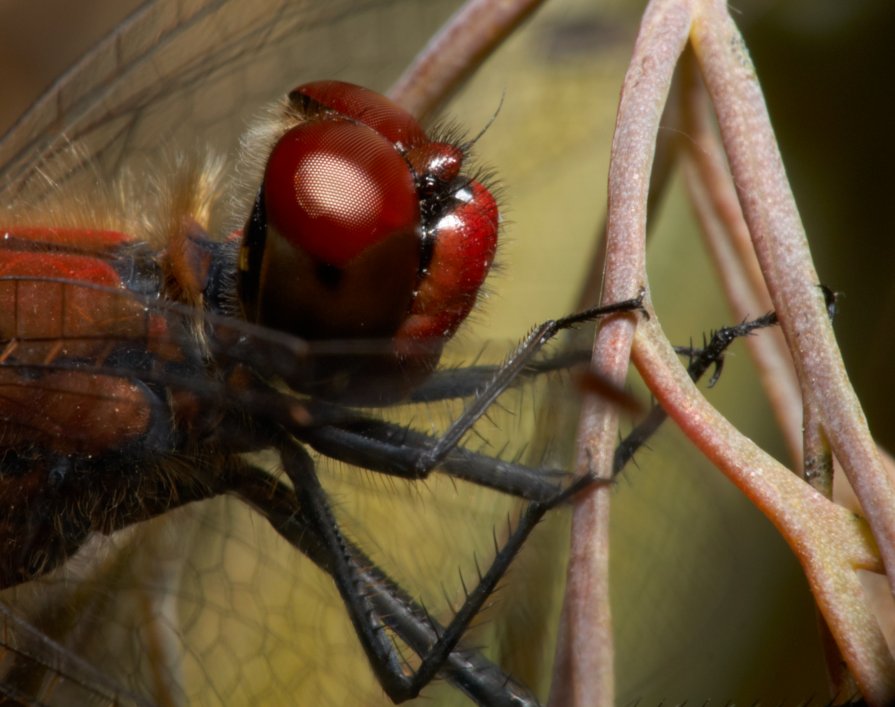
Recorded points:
367,107
332,250
336,188
465,242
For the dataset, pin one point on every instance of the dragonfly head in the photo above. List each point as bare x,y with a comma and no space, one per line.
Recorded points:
365,229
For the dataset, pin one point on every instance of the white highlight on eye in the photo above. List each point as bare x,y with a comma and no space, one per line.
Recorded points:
450,221
465,195
329,185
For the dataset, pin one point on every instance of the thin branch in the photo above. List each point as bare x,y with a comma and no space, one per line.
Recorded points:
459,48
584,665
831,542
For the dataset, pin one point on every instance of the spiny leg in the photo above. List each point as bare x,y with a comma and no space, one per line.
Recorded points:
465,668
712,354
435,646
513,366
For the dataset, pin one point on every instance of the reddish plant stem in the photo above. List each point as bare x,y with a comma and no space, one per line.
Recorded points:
459,48
727,239
831,542
584,665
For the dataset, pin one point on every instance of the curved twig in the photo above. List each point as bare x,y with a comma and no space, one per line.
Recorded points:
584,667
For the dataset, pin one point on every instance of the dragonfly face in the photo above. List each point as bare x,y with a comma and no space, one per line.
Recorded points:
152,392
364,227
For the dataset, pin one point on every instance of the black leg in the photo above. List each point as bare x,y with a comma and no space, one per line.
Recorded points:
711,354
510,370
467,669
375,602
348,574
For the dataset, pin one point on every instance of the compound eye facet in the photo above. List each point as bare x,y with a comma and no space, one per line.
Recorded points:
336,188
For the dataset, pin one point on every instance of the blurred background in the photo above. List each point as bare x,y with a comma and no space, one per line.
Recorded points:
708,601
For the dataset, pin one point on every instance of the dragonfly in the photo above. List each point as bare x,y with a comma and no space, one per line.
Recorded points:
145,392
